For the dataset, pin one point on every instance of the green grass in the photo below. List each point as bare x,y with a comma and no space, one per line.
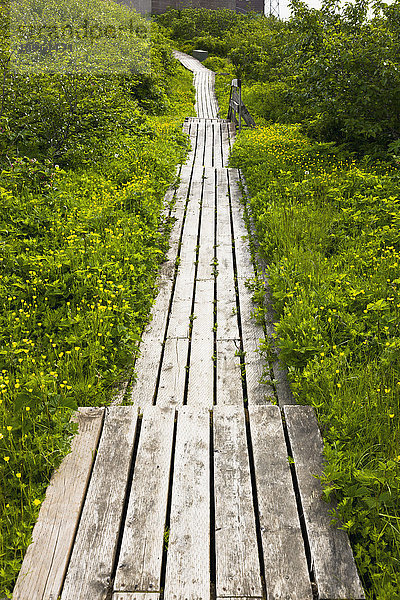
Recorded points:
80,250
329,230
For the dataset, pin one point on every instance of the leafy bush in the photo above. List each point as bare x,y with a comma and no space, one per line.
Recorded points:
334,70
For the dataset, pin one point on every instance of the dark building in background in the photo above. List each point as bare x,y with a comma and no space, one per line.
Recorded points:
159,6
245,6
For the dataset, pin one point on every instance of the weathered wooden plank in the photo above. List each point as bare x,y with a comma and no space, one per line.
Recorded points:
192,133
208,145
200,147
188,559
182,302
227,320
201,372
92,558
209,192
120,391
237,561
259,389
46,559
286,570
225,144
139,565
242,245
229,377
332,559
147,363
136,596
205,265
217,146
147,366
173,372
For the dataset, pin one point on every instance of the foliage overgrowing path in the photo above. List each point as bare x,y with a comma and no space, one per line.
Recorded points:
191,494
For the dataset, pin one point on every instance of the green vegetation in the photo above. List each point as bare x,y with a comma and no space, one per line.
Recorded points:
333,71
323,180
87,156
329,231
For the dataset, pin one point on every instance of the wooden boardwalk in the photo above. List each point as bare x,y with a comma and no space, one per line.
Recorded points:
188,494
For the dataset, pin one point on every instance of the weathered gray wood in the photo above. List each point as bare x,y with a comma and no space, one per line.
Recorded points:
192,128
136,596
205,266
173,372
188,559
209,193
139,565
259,390
227,319
242,245
286,571
147,366
237,562
332,558
217,161
209,145
92,558
229,377
183,293
225,144
147,363
200,145
43,569
201,372
120,392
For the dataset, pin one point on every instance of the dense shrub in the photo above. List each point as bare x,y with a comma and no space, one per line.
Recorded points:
334,70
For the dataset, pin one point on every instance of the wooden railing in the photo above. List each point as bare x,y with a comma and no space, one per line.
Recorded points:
237,112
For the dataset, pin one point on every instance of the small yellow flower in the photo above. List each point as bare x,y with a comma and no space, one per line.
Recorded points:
9,428
27,408
18,475
6,458
36,502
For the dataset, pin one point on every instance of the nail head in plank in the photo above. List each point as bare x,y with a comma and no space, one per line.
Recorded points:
237,561
46,559
188,559
333,562
286,570
139,565
92,558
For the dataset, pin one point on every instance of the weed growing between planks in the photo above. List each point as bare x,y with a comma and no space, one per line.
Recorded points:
80,250
329,228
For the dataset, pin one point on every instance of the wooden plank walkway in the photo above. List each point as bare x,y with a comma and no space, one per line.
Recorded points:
188,494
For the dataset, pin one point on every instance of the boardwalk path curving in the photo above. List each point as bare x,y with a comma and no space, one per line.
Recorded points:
188,493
